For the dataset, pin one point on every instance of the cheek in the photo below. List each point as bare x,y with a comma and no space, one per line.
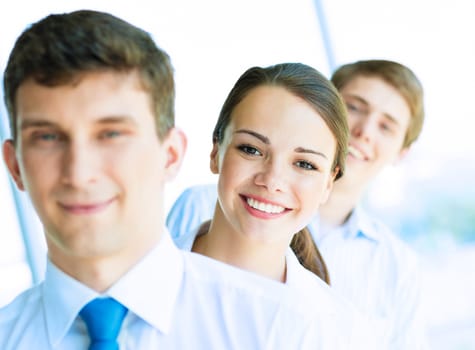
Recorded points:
234,174
228,179
39,173
313,191
352,120
232,166
389,150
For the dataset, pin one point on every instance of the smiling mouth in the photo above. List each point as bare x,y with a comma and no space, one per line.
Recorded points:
356,153
264,207
86,208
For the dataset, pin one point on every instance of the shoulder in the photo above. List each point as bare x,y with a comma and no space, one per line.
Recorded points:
18,315
299,278
350,328
397,265
193,206
252,304
185,242
388,243
229,281
207,192
320,295
327,320
26,299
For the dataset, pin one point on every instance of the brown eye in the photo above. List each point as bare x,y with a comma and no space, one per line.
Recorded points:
249,150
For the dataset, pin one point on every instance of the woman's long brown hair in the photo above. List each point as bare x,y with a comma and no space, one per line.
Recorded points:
308,254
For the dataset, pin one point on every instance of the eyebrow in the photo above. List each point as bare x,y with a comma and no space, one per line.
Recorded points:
366,103
35,123
116,119
44,123
311,151
266,140
261,137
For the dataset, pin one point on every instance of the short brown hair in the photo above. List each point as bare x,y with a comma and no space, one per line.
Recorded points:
61,47
398,76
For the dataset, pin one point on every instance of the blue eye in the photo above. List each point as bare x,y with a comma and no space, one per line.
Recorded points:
249,150
111,134
48,137
305,165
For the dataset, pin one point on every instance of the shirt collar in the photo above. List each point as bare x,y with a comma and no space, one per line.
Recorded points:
309,284
64,297
149,290
157,278
359,224
291,262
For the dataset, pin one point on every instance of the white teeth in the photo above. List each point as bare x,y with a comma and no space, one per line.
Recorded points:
356,153
265,207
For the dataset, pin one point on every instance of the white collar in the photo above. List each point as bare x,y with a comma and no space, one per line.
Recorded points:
149,290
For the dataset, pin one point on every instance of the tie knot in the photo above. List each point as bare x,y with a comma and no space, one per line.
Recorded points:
103,318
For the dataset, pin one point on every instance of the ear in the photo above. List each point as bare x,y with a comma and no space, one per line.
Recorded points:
214,159
329,187
402,154
10,157
175,147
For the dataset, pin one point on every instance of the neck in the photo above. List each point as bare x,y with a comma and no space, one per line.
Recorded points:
341,202
222,243
100,272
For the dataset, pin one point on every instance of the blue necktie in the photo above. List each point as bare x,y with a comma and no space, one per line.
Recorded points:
103,318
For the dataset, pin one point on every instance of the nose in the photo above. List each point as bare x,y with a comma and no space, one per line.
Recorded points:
363,129
271,175
78,164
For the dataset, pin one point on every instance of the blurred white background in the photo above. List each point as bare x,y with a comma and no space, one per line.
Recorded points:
429,199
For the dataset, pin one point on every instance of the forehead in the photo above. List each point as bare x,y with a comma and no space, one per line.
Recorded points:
279,114
267,102
379,96
95,95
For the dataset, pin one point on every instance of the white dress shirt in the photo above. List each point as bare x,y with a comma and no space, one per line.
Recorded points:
353,329
368,265
176,300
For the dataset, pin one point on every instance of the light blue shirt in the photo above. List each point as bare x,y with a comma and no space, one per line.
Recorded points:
378,273
194,205
176,300
368,265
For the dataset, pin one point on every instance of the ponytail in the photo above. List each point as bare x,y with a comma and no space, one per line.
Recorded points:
308,254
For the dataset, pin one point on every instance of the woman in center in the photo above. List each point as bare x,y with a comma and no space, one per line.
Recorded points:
278,145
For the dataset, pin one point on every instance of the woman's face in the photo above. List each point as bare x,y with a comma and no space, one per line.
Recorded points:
274,165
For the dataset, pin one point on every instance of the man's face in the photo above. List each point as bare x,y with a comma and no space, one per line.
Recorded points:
90,159
378,118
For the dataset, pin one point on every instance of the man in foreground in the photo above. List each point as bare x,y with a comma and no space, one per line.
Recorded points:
91,105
